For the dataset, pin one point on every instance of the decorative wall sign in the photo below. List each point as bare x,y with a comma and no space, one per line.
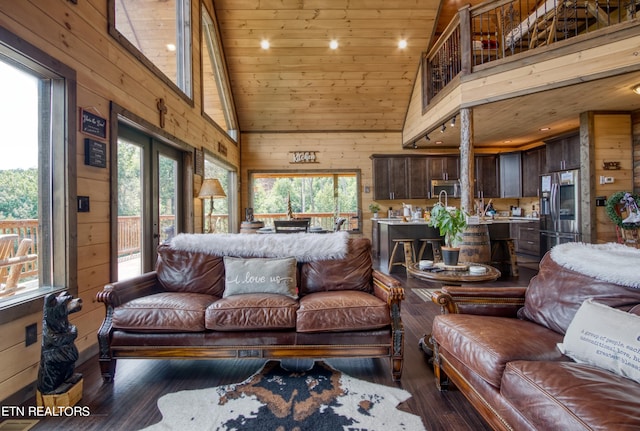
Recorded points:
303,157
198,162
91,124
95,153
222,149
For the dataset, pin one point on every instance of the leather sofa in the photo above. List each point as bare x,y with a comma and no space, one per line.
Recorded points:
343,308
499,346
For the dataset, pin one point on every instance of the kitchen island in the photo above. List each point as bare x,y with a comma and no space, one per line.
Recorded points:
385,230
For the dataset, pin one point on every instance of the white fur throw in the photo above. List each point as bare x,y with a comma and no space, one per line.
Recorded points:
610,262
305,247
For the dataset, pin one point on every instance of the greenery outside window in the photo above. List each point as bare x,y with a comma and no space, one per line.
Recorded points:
37,176
322,196
158,33
223,217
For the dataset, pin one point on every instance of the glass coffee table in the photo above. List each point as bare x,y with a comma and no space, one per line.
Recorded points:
458,274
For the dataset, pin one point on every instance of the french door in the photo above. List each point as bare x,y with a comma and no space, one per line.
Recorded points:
149,199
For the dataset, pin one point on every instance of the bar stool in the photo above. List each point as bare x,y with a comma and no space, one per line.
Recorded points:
436,248
409,253
503,253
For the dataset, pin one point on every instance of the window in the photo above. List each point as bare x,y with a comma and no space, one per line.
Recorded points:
37,137
217,100
322,196
223,217
159,34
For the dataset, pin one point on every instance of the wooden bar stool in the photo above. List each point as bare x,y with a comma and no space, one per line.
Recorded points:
436,248
503,253
409,253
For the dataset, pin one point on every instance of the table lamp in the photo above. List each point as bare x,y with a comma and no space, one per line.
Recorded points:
211,189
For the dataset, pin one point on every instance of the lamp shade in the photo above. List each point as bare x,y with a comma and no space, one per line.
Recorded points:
211,188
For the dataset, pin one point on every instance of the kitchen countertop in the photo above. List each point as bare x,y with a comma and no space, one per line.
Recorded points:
398,220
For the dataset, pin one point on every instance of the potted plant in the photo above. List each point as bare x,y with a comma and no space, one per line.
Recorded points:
451,222
374,208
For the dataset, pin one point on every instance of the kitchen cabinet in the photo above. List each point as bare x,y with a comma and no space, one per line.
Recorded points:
526,237
390,178
419,184
533,164
444,168
563,153
487,179
510,175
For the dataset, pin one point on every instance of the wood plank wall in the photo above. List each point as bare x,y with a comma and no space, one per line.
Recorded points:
77,36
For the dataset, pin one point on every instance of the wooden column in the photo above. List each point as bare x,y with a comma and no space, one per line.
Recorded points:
467,168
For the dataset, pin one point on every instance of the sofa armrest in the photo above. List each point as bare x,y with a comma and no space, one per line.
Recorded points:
119,292
489,301
387,288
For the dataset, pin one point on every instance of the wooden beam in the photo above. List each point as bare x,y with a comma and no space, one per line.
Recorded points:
467,168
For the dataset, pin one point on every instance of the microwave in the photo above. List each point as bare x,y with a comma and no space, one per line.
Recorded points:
451,187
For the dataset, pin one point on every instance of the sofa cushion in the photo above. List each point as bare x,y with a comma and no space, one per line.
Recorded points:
252,312
487,343
163,312
555,294
260,275
354,272
341,311
606,338
184,271
570,396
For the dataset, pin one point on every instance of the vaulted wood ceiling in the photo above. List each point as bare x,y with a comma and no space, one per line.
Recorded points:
301,84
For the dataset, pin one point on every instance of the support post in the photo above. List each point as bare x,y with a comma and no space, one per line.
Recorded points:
467,160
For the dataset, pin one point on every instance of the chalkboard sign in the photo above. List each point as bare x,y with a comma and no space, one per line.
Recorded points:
95,153
91,124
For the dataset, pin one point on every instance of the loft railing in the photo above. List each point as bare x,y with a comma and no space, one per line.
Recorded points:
500,29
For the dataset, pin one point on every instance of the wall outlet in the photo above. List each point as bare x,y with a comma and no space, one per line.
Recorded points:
30,334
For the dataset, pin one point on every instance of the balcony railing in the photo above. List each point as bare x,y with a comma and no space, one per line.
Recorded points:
24,229
499,29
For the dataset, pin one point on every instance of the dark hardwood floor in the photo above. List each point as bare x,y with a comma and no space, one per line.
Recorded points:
130,402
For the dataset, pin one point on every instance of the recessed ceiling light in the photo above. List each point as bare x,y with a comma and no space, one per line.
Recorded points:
544,129
333,44
438,142
171,47
636,89
508,141
402,44
264,44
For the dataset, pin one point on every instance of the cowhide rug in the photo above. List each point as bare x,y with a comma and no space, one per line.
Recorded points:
275,399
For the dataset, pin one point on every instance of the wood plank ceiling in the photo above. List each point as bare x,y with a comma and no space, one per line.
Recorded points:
301,84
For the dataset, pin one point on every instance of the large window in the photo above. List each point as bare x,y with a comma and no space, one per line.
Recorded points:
159,33
37,137
223,216
217,100
325,197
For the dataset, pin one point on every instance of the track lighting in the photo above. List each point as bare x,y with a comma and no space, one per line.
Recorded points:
636,89
415,145
443,128
427,137
453,121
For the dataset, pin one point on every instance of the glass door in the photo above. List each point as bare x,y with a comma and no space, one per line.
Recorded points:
148,199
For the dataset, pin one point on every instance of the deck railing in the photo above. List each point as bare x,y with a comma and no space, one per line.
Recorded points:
130,229
499,29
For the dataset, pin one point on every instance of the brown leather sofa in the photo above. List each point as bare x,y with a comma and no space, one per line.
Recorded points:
499,347
344,309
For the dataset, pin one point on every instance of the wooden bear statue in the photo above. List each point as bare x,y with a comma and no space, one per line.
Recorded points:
59,353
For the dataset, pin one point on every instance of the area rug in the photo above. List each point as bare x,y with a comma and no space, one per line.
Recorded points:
319,399
424,294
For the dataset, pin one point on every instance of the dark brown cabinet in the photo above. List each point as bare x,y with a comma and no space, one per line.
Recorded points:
444,168
510,175
527,238
533,164
563,153
390,178
419,184
487,179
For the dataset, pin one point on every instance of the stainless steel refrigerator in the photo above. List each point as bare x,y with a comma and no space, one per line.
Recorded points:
559,209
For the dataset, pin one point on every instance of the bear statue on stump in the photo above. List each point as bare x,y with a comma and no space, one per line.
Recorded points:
59,353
